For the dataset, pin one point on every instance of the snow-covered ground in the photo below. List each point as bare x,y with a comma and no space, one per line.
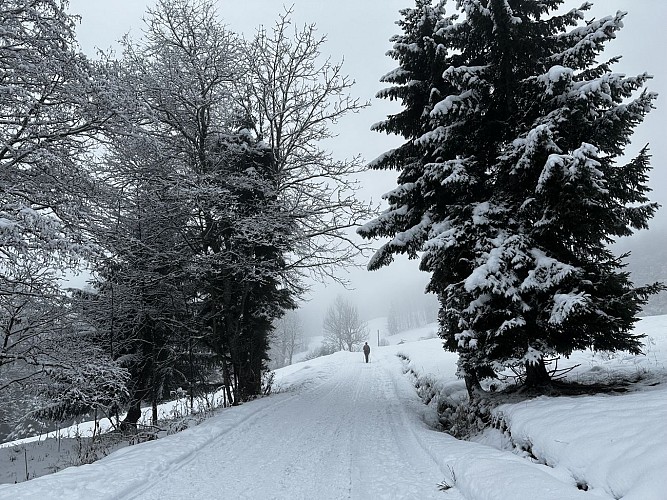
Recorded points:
341,428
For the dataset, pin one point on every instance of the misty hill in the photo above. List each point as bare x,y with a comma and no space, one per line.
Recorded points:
647,263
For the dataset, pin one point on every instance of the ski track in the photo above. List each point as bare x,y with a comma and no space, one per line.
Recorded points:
347,437
132,491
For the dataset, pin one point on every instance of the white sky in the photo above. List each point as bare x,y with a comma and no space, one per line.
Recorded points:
358,31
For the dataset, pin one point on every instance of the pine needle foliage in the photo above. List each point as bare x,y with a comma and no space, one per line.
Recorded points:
513,180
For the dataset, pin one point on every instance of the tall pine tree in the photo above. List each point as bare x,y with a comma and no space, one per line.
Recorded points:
512,188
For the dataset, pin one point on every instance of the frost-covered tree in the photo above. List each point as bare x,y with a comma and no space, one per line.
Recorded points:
141,305
239,129
51,367
343,329
514,183
293,97
244,235
194,229
286,340
52,105
48,113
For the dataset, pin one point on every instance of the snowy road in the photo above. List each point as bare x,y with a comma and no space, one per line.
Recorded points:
347,436
344,429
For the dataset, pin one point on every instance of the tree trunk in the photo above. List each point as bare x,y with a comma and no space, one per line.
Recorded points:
154,411
228,382
536,374
133,415
472,384
134,409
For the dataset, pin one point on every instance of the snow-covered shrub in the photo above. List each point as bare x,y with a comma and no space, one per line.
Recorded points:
463,419
267,382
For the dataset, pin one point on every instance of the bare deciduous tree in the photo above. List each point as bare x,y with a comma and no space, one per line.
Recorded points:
51,367
292,97
343,330
48,115
287,338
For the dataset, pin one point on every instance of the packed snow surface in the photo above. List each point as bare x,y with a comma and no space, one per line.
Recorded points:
340,428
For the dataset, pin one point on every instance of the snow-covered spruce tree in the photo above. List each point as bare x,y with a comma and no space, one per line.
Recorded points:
516,189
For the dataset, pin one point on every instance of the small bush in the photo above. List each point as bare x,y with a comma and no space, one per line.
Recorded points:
463,419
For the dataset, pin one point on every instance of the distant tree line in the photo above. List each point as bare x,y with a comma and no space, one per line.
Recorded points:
411,312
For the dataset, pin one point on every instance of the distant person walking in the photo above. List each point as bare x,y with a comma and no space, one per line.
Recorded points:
367,351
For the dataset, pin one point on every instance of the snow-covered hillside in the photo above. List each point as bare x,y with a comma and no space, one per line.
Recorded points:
341,428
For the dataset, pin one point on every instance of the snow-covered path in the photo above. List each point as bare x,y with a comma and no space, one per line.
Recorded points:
347,436
338,429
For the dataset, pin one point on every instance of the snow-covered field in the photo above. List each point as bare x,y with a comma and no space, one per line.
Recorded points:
340,428
610,445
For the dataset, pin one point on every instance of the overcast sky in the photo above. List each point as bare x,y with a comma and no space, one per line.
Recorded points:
358,31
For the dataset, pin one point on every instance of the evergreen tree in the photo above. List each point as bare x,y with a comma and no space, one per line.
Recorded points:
142,305
241,268
516,189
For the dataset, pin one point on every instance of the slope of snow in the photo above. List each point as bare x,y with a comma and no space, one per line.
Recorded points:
611,445
341,428
168,410
425,332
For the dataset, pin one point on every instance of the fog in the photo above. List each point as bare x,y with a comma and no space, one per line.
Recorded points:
358,32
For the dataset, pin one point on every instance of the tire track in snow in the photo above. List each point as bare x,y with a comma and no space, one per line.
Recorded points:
347,436
419,471
135,492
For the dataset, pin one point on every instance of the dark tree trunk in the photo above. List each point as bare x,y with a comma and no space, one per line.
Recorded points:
228,382
472,384
132,417
537,375
134,410
250,379
154,412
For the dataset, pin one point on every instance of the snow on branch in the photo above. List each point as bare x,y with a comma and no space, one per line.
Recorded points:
452,103
582,163
554,77
565,304
546,273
